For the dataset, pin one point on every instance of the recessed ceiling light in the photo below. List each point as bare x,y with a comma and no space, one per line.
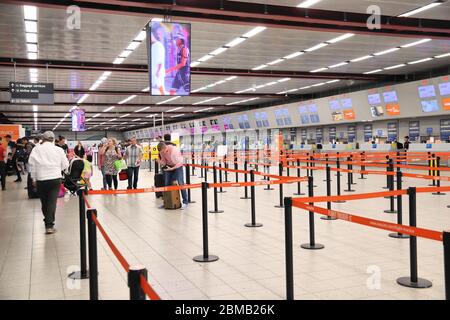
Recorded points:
134,120
421,9
443,55
30,12
316,47
205,58
111,120
178,115
218,51
338,65
342,37
127,99
420,61
386,51
275,62
133,45
235,42
96,115
31,37
109,109
373,71
118,60
142,109
125,115
254,32
141,36
293,55
194,64
125,53
260,67
362,58
32,55
31,26
412,44
205,109
284,80
395,67
175,109
319,70
307,3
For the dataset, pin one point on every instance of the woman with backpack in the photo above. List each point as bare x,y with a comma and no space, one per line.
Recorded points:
111,154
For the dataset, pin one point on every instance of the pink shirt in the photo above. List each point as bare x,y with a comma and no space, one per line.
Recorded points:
171,156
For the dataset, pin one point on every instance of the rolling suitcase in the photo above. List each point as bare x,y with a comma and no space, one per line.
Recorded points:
32,191
159,182
172,199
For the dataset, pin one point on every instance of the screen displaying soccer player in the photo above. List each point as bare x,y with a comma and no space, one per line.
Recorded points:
169,47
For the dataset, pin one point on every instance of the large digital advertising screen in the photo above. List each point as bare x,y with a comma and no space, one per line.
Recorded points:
169,58
78,120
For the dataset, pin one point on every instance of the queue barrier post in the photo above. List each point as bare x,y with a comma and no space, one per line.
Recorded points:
338,180
253,224
220,178
83,273
312,245
134,282
413,281
399,235
188,181
226,171
193,162
349,176
431,172
93,263
363,167
236,167
328,180
205,257
438,174
388,162
446,242
156,166
280,186
216,204
288,248
245,180
299,188
326,164
312,165
391,188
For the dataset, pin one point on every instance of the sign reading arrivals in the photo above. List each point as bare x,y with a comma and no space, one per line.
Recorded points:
31,93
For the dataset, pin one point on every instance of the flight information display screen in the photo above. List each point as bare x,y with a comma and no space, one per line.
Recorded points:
334,105
430,106
312,108
374,99
347,103
303,109
427,91
390,96
444,88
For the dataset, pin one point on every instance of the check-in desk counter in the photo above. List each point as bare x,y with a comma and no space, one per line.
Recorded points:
302,147
330,148
432,148
369,147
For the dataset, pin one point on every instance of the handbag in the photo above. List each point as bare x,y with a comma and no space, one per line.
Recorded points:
120,165
123,175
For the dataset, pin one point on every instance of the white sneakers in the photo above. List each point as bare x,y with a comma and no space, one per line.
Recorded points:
183,206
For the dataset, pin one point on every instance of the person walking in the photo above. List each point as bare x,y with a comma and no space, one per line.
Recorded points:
46,163
111,153
101,162
2,165
133,156
171,163
79,150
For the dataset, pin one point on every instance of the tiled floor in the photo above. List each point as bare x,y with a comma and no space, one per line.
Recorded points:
357,263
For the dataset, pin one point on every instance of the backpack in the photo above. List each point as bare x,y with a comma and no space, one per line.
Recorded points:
74,175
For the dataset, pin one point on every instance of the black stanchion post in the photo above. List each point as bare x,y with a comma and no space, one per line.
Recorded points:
391,188
388,162
220,178
156,166
326,164
349,176
312,245
245,180
338,180
216,204
83,273
288,249
299,188
236,167
280,173
206,170
433,172
351,168
205,257
188,181
328,180
413,281
93,263
253,224
226,170
399,235
134,282
311,171
363,167
193,162
438,174
446,241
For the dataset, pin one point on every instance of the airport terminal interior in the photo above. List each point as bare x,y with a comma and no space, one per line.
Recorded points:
285,150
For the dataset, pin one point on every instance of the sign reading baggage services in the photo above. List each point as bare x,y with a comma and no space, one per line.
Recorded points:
31,93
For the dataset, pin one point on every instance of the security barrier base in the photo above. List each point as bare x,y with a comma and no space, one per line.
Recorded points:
420,284
78,275
328,218
215,211
390,211
316,246
209,258
251,225
398,235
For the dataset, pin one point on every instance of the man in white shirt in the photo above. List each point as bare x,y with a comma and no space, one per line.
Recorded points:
47,162
158,62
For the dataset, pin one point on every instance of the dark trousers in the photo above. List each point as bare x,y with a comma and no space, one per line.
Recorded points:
16,168
133,176
3,173
110,178
176,175
48,193
105,185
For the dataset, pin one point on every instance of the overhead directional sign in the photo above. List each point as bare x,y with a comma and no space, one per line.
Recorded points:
31,93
